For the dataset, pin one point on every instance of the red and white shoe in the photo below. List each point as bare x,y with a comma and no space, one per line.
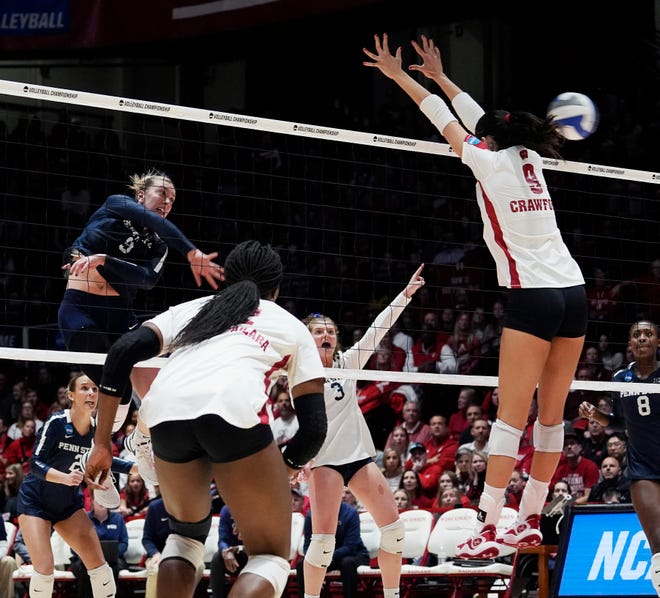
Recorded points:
523,533
480,546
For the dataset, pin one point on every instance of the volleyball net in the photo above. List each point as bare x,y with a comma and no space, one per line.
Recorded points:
351,213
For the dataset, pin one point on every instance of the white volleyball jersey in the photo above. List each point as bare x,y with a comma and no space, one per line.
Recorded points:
520,228
349,438
229,374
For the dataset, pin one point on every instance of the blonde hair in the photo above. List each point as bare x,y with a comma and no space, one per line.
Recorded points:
313,319
151,178
386,453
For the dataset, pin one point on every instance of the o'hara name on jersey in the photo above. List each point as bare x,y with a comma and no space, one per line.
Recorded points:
535,204
72,448
251,333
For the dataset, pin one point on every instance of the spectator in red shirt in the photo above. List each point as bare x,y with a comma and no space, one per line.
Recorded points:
20,450
440,449
429,473
458,421
425,352
387,356
581,473
411,483
472,414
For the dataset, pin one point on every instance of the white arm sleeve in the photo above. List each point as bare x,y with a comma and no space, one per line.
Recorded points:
468,110
357,356
437,111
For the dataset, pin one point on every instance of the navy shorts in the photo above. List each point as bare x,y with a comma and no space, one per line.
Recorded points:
207,436
348,470
30,504
91,324
548,313
107,317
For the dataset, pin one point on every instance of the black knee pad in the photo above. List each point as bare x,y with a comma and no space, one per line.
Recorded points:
197,531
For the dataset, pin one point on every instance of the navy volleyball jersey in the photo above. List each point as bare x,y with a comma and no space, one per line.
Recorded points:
639,412
61,447
135,240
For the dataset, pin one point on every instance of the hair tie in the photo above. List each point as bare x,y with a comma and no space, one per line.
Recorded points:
507,118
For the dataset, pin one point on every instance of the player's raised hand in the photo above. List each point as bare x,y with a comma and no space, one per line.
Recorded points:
202,265
415,283
389,64
431,61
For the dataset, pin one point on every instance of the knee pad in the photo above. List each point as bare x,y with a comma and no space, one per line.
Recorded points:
195,531
548,439
41,585
504,440
185,549
320,551
392,537
102,581
273,568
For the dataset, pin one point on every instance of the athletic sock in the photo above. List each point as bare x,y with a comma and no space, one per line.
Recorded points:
490,506
533,498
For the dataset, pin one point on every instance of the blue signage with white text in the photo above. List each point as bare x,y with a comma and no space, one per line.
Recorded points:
34,17
604,552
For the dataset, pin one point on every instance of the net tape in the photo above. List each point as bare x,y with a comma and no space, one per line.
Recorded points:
203,115
40,355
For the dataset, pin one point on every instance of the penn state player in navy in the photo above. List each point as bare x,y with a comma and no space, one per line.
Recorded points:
50,495
639,412
122,249
346,457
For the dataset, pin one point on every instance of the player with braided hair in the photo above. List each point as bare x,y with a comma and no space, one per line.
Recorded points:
207,413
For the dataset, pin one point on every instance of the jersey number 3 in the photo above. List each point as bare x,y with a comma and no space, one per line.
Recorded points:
339,391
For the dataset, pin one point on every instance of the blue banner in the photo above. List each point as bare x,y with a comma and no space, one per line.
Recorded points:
34,17
608,555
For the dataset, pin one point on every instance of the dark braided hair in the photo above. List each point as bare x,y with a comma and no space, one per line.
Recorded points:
252,271
521,128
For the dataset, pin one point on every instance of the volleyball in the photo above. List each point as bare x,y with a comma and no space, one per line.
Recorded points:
575,113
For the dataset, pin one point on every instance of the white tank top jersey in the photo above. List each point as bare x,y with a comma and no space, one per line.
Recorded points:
229,374
520,228
349,438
